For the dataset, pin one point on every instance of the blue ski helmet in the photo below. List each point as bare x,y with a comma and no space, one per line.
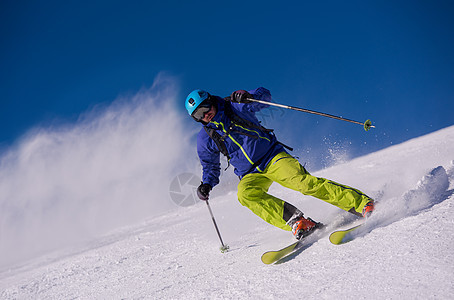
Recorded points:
194,99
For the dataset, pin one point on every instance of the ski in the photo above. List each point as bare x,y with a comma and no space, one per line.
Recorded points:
337,237
343,236
270,257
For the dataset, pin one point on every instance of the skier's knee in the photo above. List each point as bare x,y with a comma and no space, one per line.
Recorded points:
247,194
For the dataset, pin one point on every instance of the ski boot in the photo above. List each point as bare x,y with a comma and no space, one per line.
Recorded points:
368,209
302,227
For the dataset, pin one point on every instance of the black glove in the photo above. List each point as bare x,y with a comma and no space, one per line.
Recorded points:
203,191
240,96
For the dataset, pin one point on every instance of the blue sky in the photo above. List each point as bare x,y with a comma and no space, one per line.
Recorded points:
390,61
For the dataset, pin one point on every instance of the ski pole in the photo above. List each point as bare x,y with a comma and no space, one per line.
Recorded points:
223,248
367,125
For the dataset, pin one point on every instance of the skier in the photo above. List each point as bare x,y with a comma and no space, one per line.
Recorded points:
230,127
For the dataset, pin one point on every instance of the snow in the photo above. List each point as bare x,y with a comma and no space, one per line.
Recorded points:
404,252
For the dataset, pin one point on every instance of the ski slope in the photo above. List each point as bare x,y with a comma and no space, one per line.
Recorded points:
405,253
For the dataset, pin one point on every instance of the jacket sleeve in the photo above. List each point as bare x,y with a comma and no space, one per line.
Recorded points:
209,157
260,93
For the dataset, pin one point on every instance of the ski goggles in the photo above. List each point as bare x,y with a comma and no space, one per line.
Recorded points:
201,110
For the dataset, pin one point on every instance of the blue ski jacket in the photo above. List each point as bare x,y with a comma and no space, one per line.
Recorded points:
249,149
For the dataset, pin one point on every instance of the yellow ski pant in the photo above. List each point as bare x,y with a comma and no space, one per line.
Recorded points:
287,171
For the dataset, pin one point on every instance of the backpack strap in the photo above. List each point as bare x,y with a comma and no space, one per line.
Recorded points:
219,141
216,137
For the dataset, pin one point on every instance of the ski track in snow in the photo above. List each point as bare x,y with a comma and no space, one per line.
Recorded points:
404,253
